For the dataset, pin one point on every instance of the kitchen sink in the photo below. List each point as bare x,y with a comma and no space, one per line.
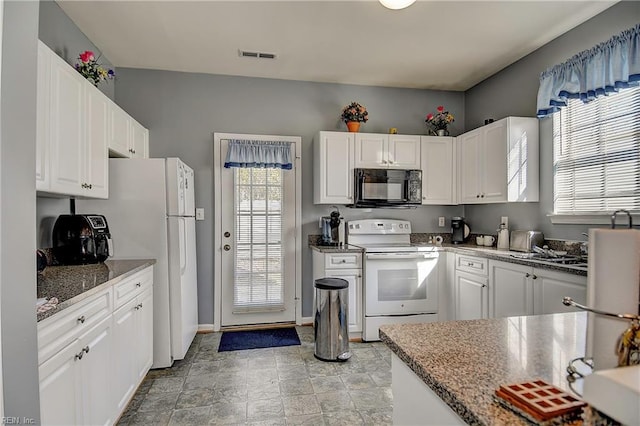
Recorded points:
569,260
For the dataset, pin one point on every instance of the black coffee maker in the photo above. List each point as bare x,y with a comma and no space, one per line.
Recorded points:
459,230
80,239
332,229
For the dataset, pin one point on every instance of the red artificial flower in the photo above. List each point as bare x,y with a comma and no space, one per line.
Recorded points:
86,56
429,117
440,108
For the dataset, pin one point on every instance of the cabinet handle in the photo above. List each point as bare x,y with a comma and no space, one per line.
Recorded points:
477,195
343,261
481,195
79,355
384,162
390,161
138,285
86,349
527,275
484,285
90,186
535,277
138,306
133,151
81,319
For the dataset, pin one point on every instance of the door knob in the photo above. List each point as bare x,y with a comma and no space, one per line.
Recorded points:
227,247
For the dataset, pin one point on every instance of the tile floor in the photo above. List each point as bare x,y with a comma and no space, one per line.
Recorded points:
273,386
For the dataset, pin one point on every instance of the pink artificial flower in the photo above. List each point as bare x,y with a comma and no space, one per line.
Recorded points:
86,56
429,117
440,108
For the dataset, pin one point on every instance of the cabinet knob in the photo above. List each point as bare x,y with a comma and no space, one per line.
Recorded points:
481,195
343,261
484,285
81,319
90,186
527,275
384,162
477,195
138,284
535,277
424,198
86,349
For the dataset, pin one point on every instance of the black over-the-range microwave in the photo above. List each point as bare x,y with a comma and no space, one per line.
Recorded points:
387,188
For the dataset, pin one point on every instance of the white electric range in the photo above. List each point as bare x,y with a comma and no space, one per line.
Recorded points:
400,279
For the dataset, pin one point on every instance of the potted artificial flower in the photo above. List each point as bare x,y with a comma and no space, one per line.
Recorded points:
354,114
439,121
91,69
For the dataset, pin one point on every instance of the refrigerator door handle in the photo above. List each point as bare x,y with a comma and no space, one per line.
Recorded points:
182,230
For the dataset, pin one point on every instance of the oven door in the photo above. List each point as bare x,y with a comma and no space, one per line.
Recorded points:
401,283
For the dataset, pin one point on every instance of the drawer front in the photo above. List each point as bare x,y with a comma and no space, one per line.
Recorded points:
342,260
60,329
130,287
474,265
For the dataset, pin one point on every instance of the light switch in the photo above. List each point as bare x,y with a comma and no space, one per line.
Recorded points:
441,221
199,213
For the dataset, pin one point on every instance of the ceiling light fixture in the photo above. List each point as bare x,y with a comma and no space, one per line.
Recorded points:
396,4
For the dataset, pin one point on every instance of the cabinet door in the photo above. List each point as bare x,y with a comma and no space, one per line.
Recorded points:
333,168
66,136
471,296
120,135
123,361
42,122
551,287
144,330
372,150
404,152
97,398
469,146
60,393
97,154
139,140
438,170
354,278
511,290
494,163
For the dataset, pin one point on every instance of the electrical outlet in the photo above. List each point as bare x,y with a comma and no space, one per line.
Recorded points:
199,213
441,221
505,220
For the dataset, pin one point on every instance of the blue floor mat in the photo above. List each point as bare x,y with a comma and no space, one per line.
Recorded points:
254,339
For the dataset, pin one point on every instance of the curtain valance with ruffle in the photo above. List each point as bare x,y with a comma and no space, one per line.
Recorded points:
605,68
261,154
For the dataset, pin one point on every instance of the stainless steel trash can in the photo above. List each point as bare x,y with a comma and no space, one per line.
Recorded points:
331,319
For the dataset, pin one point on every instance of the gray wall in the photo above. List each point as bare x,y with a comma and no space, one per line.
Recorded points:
183,110
17,199
58,32
513,91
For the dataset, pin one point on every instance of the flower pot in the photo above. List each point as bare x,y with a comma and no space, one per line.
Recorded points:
441,132
353,126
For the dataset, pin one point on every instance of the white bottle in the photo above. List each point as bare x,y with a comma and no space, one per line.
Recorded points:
503,237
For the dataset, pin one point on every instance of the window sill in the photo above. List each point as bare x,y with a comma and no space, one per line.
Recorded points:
591,219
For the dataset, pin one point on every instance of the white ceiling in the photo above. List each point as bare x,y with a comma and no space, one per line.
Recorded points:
448,45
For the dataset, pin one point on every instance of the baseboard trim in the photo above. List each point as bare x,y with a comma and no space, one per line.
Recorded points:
205,328
307,321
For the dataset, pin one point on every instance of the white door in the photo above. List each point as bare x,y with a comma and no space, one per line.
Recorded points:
258,234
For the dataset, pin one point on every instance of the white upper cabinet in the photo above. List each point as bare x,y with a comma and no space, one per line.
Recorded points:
333,168
381,151
71,147
129,138
438,164
499,162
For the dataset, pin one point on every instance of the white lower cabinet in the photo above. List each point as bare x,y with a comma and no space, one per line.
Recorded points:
551,287
74,383
347,266
92,358
471,288
524,290
511,289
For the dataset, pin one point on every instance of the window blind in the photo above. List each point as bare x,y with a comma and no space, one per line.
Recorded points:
597,155
259,275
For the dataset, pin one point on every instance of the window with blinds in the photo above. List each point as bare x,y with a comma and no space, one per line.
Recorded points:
596,155
259,273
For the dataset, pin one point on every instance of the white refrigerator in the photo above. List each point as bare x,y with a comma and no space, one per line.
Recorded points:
151,214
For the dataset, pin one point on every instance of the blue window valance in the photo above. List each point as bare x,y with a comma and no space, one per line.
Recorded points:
261,154
605,68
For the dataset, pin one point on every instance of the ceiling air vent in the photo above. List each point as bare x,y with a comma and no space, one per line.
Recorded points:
259,55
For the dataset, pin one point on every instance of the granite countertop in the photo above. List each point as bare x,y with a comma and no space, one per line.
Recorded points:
71,284
464,362
471,249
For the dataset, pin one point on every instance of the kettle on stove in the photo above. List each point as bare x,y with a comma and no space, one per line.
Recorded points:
332,229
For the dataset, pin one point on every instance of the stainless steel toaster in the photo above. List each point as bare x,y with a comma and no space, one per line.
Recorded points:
525,240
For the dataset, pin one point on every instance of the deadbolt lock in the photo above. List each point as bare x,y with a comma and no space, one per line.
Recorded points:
227,247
